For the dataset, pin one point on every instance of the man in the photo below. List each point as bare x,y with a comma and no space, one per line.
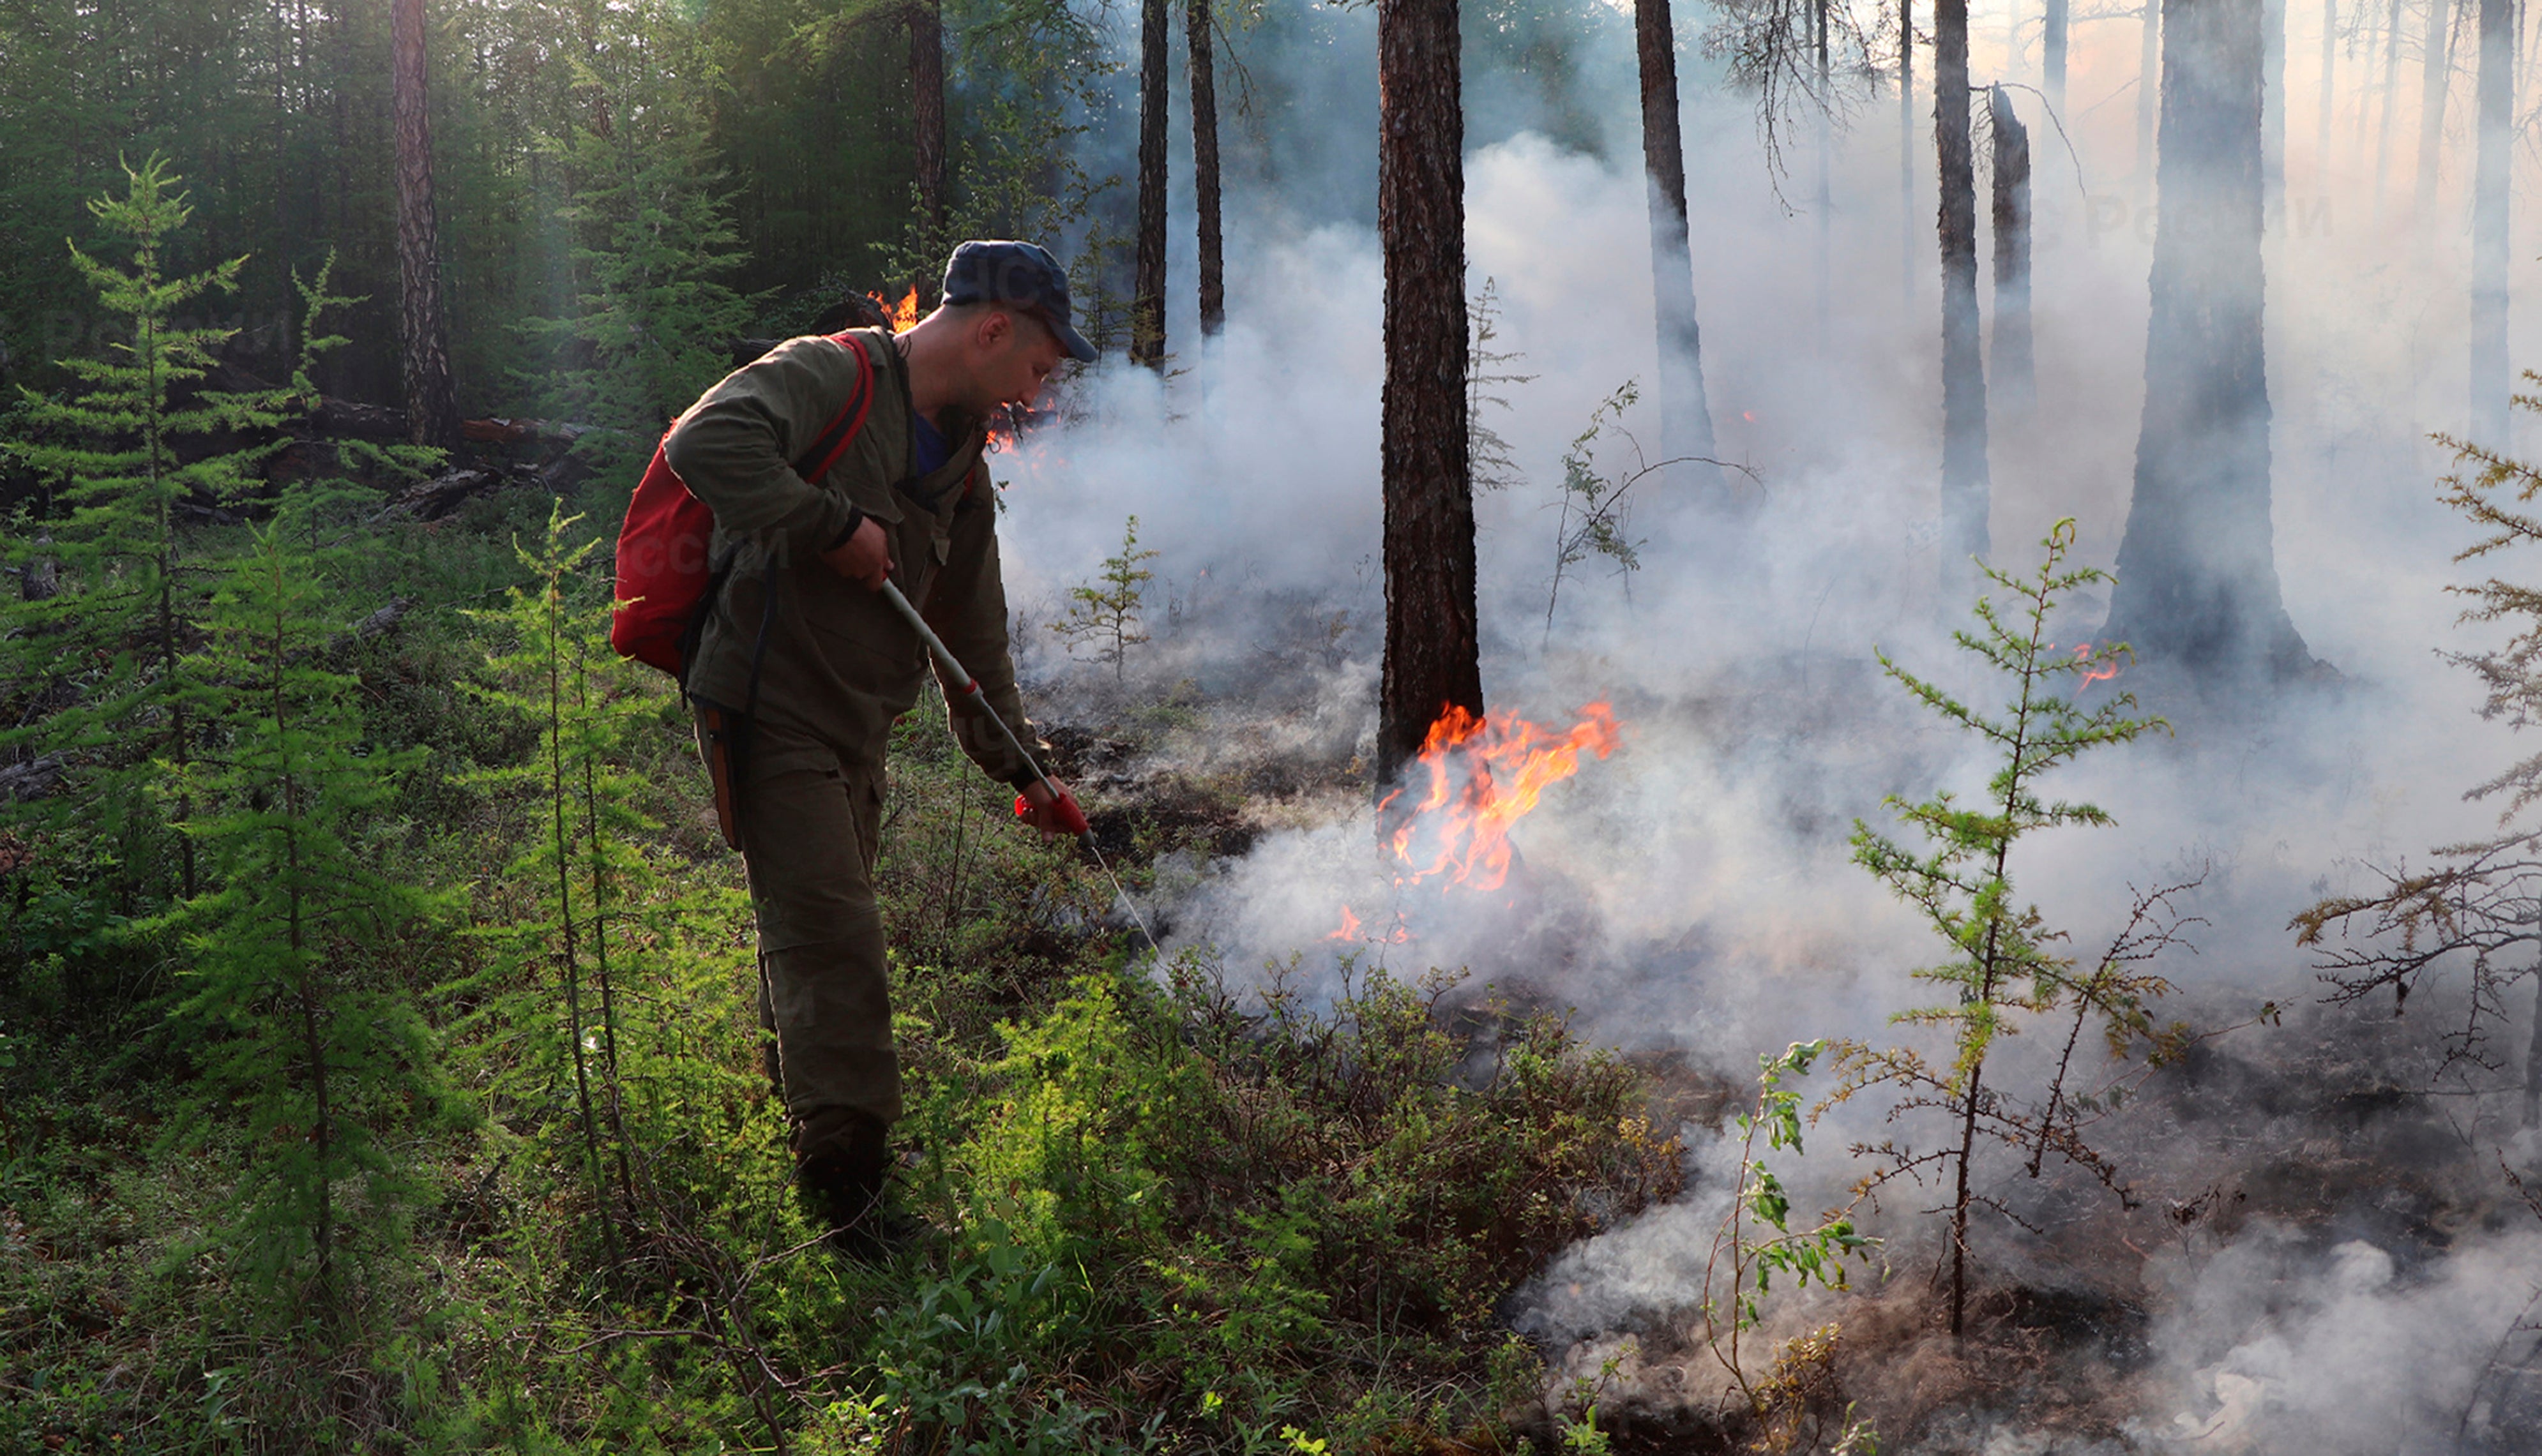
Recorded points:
800,667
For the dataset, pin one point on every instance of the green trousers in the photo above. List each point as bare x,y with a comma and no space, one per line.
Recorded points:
809,825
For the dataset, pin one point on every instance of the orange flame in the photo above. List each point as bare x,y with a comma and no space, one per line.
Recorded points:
2092,672
1350,926
1462,830
902,314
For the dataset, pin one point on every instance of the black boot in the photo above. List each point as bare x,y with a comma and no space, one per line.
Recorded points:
841,1179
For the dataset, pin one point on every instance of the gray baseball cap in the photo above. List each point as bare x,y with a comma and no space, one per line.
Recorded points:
997,270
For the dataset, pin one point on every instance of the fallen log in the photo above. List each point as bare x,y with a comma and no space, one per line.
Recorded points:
24,783
351,420
41,580
430,500
370,627
513,431
348,418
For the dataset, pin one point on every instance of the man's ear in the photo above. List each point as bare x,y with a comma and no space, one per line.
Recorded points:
996,325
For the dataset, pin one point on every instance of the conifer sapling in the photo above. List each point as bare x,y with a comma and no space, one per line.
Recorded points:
2002,965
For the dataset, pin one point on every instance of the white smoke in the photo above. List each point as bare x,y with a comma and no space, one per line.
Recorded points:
1706,895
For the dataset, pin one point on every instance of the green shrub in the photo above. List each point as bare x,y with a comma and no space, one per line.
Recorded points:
1219,1201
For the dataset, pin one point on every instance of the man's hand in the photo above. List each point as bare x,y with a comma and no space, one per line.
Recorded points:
1051,809
865,557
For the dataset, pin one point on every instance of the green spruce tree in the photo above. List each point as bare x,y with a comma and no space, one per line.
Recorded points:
1107,616
306,1027
108,652
553,673
653,320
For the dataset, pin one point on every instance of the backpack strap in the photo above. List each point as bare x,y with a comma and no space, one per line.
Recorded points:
834,441
811,465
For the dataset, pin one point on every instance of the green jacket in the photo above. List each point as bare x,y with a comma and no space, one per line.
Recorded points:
837,665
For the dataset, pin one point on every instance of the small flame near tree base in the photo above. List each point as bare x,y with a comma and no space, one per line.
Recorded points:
1475,778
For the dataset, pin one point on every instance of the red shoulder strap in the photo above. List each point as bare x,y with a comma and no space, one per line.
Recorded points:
834,441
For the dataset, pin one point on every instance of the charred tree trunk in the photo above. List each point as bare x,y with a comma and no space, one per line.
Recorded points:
2436,78
1964,405
2014,385
1148,287
1907,148
2198,576
2052,54
432,409
1431,651
2489,213
1685,412
1199,23
927,118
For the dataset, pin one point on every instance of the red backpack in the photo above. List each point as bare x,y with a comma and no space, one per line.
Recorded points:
665,583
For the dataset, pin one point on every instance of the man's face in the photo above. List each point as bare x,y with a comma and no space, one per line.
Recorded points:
1014,353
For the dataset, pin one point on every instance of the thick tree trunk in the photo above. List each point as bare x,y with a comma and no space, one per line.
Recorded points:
1431,661
1199,23
1907,148
1148,287
2052,54
2014,384
927,118
1685,412
2198,577
1964,405
2436,78
432,409
2488,214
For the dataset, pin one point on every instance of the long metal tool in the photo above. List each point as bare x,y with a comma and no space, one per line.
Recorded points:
970,689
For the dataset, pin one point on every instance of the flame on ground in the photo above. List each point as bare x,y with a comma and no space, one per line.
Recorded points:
1400,934
1483,775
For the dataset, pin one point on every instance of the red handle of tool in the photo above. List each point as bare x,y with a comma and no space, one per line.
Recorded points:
1068,816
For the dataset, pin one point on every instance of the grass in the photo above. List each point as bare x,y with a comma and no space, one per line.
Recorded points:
1159,1211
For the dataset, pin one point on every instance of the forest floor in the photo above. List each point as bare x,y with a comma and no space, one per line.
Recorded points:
1160,1205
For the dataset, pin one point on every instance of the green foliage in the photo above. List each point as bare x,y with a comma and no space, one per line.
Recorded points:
2475,902
551,906
243,1205
1595,519
1107,614
1582,1434
1202,1196
1488,378
300,1024
107,655
1757,1240
2002,965
653,320
1026,81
